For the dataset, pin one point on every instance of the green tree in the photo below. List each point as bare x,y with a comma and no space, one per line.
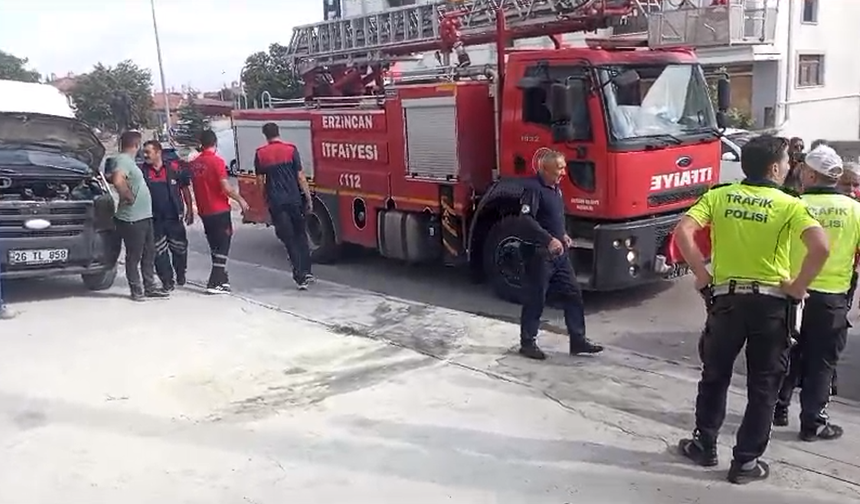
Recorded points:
190,125
270,71
112,98
15,68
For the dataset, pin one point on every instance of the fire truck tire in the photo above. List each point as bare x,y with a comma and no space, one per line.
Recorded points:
321,236
503,267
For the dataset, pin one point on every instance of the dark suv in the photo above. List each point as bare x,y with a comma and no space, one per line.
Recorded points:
56,210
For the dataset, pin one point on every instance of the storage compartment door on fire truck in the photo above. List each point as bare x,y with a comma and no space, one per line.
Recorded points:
532,135
249,136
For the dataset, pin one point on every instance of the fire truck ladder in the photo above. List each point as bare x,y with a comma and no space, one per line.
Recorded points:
400,32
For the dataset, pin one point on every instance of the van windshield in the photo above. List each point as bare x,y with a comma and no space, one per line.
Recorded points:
667,100
13,158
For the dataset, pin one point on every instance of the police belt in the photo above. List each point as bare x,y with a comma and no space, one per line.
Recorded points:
748,288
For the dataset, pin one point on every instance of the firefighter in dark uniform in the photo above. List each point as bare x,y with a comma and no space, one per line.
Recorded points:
750,298
824,326
171,203
547,260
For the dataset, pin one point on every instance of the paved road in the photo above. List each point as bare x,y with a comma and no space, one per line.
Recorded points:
662,320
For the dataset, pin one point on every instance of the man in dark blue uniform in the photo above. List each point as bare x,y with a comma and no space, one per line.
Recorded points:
171,201
279,169
547,260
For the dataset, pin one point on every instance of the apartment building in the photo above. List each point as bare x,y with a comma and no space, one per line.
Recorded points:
804,82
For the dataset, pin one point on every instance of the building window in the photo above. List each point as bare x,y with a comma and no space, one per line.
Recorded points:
400,3
810,70
810,11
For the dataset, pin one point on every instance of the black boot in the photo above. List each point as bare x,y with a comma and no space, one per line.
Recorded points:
584,346
700,451
529,349
780,416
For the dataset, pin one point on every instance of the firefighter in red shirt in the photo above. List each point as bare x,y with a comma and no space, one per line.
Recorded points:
212,194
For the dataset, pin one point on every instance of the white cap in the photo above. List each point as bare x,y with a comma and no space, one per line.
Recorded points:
824,160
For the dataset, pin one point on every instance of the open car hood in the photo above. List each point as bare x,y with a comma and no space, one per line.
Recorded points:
69,136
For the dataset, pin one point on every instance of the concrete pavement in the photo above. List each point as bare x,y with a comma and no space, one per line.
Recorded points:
663,320
341,395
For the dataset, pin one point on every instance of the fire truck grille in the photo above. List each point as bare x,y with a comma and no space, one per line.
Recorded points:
673,196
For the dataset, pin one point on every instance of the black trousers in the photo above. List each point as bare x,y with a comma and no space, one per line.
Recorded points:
219,234
544,275
139,253
823,336
291,228
171,249
762,324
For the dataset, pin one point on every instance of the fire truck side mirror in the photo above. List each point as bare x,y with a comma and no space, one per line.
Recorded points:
724,93
560,103
627,78
527,83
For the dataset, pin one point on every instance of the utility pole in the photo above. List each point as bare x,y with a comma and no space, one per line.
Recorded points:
161,70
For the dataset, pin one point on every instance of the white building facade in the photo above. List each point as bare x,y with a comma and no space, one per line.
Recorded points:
806,83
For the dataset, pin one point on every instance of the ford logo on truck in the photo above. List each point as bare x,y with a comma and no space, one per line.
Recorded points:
684,161
37,224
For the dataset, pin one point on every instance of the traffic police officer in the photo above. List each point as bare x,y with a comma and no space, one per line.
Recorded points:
749,298
824,327
547,260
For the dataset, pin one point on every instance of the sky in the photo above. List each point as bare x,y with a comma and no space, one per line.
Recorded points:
204,43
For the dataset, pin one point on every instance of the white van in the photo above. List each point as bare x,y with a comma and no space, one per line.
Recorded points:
732,142
56,210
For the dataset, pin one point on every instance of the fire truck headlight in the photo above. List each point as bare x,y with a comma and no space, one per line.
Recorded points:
632,256
616,244
629,242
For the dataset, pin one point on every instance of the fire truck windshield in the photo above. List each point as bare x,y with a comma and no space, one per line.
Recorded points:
665,102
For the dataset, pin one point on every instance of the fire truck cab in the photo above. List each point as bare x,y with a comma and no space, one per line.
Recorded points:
640,137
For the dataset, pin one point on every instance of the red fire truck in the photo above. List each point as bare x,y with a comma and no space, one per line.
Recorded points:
427,165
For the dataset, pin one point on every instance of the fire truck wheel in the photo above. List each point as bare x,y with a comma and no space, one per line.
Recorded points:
321,237
503,264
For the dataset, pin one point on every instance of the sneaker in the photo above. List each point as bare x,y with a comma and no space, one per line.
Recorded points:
303,285
530,350
310,279
138,296
585,346
219,289
180,279
156,293
703,454
780,416
7,313
741,476
169,286
828,432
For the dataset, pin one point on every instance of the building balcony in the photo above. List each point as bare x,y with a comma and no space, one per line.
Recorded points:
740,23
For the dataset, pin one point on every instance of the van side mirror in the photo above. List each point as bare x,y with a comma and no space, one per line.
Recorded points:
730,156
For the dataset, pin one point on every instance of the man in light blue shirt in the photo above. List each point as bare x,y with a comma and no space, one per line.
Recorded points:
133,219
